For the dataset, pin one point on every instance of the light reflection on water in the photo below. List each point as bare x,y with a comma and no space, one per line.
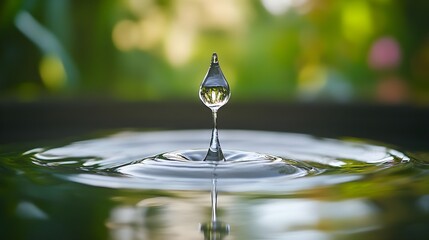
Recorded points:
258,219
153,185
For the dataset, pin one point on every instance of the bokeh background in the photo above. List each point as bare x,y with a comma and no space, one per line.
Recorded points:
373,51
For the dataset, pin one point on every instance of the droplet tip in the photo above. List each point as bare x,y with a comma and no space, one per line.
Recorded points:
215,59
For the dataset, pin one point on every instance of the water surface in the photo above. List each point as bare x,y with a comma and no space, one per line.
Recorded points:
155,185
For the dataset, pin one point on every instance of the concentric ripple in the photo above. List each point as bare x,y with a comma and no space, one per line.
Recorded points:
240,165
255,161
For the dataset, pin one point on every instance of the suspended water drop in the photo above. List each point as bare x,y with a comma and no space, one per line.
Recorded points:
214,93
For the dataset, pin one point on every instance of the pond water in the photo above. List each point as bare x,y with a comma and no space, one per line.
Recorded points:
155,185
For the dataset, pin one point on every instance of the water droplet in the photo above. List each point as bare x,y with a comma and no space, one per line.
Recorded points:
214,90
214,93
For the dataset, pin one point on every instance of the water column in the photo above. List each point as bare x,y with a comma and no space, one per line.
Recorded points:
214,93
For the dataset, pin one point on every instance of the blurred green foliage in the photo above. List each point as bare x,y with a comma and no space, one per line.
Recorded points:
285,50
